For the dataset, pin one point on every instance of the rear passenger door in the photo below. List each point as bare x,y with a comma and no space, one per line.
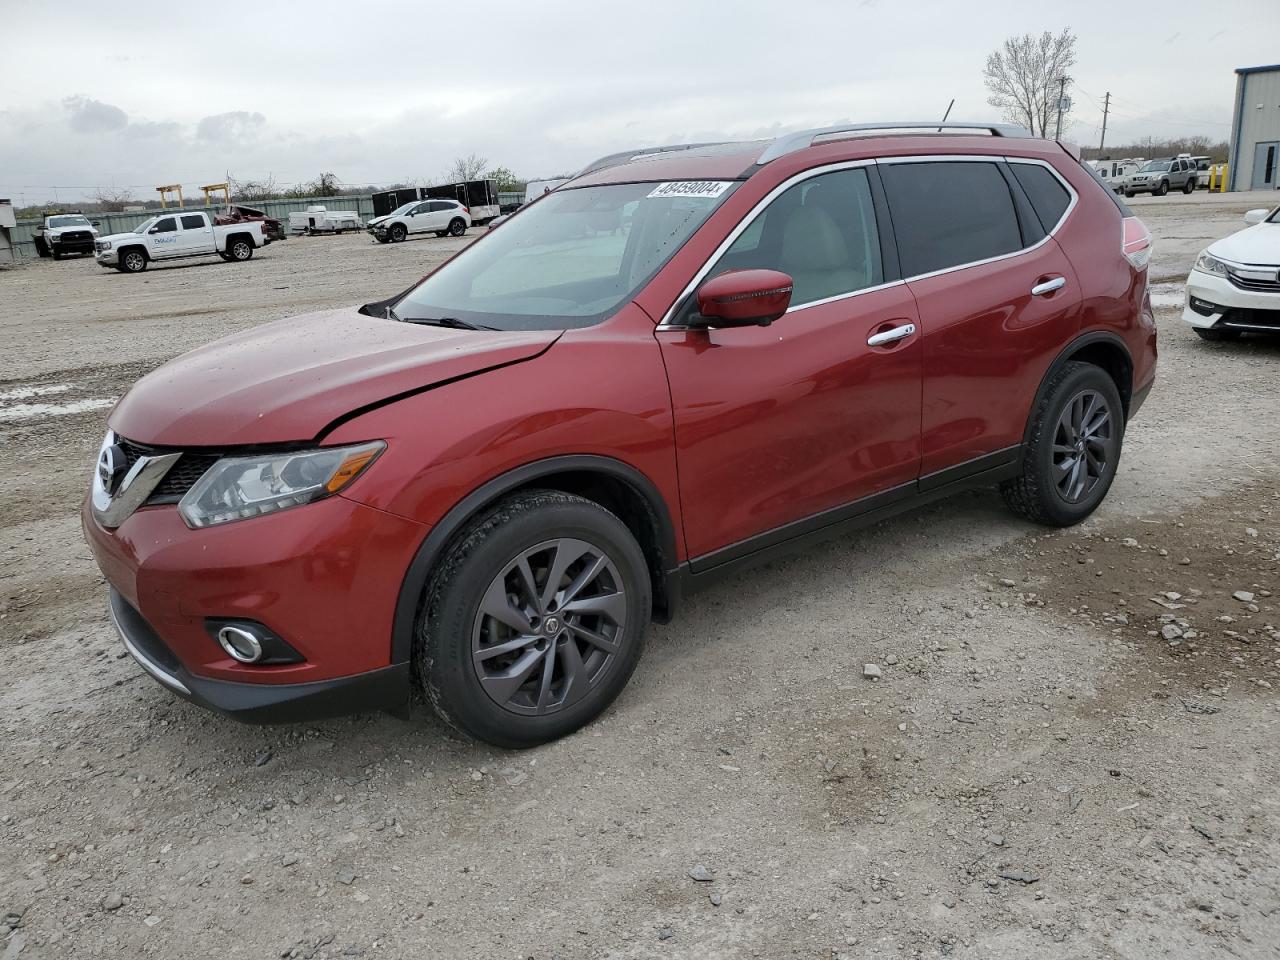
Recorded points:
997,299
196,235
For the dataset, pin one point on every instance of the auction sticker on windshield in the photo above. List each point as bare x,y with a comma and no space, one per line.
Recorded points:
691,188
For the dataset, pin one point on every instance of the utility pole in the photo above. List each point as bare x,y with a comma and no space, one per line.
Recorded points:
1106,108
1062,94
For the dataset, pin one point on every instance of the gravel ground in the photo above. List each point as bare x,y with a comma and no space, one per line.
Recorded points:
1070,750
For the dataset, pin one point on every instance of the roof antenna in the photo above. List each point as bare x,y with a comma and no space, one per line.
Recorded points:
947,114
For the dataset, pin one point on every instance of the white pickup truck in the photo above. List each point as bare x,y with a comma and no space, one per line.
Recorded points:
173,236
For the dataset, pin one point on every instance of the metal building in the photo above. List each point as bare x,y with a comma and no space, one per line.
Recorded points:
8,226
1255,130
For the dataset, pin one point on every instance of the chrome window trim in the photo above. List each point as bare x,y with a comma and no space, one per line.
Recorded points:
755,211
747,221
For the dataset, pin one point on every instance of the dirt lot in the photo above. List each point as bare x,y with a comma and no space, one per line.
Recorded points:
1071,753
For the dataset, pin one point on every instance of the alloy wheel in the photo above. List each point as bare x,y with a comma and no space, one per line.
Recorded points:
1082,445
549,627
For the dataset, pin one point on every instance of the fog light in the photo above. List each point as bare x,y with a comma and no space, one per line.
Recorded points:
240,644
1203,307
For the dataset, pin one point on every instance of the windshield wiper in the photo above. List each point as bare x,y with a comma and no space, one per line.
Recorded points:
391,313
452,323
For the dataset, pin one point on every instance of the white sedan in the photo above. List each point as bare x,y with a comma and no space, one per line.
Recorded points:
1234,287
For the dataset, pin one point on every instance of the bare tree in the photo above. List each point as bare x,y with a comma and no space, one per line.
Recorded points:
1023,78
466,168
113,200
248,191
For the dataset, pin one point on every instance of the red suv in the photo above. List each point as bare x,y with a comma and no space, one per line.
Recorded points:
682,361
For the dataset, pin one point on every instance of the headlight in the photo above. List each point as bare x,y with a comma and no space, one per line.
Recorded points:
236,488
104,244
1207,263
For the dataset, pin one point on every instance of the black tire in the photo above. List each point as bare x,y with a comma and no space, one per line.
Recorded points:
1189,186
457,227
42,248
1036,493
453,627
132,261
382,239
57,254
224,255
240,249
1130,194
1161,190
397,233
1217,334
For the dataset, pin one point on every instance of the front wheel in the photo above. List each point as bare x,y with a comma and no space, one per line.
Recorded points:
1071,458
457,227
1161,190
133,261
398,232
534,619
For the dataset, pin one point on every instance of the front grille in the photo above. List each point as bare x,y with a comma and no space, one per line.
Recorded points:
75,236
1261,280
181,477
1240,319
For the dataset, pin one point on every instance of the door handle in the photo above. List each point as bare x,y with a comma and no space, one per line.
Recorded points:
891,336
1048,286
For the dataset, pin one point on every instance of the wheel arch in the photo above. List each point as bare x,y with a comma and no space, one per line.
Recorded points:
1100,348
242,235
615,485
140,247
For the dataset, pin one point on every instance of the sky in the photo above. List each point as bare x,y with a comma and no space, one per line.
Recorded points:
386,91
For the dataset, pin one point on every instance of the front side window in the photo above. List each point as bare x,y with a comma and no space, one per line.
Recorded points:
167,225
821,231
950,213
570,259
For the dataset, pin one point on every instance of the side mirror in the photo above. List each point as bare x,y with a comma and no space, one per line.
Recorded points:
95,223
154,230
1255,216
744,298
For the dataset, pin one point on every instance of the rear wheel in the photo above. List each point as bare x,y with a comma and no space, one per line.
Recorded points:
1189,186
457,227
534,619
133,261
1074,449
240,249
397,232
1217,334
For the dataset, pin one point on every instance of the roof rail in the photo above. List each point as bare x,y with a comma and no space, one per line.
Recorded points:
614,159
791,142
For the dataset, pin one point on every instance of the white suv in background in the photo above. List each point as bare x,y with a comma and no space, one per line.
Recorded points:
1234,287
441,217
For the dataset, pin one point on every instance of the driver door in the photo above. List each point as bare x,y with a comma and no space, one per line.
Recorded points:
418,220
162,238
784,429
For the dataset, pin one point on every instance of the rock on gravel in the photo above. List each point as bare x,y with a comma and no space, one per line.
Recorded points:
701,874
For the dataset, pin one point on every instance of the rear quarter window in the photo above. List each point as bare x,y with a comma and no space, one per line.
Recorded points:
948,213
1045,191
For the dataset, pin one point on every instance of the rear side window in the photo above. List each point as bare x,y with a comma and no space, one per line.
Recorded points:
1045,191
948,213
192,223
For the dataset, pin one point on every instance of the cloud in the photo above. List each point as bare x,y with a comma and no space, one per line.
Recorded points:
233,125
94,116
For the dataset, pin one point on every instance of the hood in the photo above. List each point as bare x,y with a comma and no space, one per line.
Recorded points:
1257,244
377,220
55,231
288,380
118,237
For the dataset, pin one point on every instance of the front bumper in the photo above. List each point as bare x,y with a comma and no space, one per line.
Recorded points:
107,258
386,689
1215,301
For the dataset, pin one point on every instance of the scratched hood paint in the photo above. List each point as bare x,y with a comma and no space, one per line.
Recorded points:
289,380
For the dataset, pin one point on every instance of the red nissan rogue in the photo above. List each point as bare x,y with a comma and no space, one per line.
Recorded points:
682,361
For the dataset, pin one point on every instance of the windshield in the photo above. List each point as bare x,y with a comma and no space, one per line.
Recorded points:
403,208
1156,166
145,225
68,222
568,260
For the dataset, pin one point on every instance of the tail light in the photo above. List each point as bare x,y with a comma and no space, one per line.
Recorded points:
1136,243
467,211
